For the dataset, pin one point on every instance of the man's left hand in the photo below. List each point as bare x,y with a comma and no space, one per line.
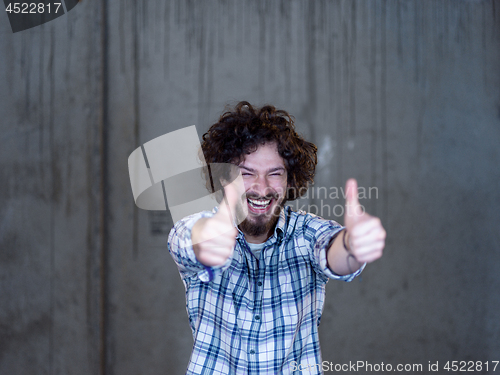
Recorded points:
365,237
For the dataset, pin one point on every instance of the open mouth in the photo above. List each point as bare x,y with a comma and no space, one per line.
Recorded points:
259,205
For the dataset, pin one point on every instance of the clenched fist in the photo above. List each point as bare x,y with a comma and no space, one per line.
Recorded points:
214,238
364,238
365,234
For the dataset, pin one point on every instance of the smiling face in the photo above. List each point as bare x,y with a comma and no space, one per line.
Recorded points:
265,179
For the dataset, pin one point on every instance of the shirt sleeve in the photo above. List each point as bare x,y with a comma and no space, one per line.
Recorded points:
321,234
181,248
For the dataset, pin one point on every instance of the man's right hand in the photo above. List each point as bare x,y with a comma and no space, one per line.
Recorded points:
214,238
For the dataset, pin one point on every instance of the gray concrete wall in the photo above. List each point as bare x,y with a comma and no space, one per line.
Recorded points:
402,95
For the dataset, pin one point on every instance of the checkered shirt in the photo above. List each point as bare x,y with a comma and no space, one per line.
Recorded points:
252,316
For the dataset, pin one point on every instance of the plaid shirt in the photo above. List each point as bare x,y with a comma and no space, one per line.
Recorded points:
252,316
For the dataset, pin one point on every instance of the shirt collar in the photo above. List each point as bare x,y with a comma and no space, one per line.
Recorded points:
280,229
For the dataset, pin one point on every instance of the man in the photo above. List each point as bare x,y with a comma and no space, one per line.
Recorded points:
255,292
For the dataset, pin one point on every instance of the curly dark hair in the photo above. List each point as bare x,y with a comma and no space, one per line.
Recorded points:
242,130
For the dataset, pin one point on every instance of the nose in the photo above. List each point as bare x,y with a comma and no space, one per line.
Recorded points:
261,186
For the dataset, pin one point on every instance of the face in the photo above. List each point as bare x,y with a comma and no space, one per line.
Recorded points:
265,179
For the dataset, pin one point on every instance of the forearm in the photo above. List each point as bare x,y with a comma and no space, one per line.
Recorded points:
340,261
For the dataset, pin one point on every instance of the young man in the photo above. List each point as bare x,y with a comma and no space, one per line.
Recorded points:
255,292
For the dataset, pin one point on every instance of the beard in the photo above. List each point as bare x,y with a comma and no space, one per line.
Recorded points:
261,224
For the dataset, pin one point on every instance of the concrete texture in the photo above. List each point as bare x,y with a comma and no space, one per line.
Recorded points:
402,95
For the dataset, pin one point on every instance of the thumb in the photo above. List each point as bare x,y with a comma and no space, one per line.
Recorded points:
353,210
228,207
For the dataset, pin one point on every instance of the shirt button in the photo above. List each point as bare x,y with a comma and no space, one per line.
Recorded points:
257,317
252,351
259,283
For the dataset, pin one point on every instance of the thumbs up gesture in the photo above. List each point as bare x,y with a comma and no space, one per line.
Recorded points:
214,238
365,237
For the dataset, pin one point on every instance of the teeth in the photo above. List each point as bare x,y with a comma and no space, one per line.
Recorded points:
259,203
